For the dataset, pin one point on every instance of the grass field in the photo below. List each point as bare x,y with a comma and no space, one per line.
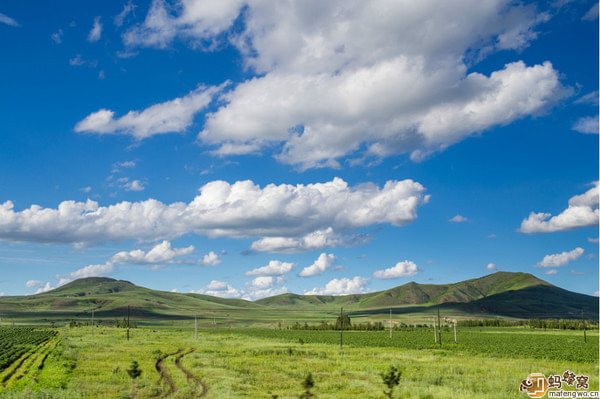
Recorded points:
268,363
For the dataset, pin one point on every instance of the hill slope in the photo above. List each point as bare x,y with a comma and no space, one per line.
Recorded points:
519,295
110,298
416,294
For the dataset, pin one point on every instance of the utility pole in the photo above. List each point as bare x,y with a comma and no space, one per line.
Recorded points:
92,322
454,330
439,327
390,322
127,322
341,327
583,320
196,326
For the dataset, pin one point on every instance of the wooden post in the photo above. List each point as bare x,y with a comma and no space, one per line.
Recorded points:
454,331
434,332
127,322
583,320
390,322
196,327
92,322
341,327
439,327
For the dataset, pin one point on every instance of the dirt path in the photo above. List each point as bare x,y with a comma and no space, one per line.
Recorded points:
191,376
163,373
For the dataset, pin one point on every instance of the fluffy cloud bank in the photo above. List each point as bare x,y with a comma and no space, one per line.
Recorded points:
259,287
220,289
323,262
353,78
402,269
241,209
167,117
160,253
344,286
210,259
562,259
582,212
588,125
274,268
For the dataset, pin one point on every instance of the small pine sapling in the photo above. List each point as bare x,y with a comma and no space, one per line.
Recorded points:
134,372
308,384
391,378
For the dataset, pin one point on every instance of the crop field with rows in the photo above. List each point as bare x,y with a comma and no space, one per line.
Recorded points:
494,342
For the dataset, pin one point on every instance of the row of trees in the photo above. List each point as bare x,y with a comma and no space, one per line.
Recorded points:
109,323
563,324
554,324
346,324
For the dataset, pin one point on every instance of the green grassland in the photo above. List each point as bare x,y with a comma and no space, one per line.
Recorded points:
256,350
261,363
501,294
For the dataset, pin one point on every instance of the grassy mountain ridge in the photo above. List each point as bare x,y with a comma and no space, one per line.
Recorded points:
520,295
109,297
416,294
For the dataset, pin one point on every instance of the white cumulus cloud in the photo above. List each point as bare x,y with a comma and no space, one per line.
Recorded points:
91,271
57,36
167,117
354,78
127,9
160,253
264,286
592,14
561,259
458,219
274,268
34,283
47,287
582,212
322,264
96,31
5,19
220,289
210,259
587,125
550,272
491,267
241,209
134,185
405,268
343,286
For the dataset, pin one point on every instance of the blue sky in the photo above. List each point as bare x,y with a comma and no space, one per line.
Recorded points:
247,148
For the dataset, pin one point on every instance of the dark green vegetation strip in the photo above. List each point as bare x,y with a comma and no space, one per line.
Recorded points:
16,341
502,342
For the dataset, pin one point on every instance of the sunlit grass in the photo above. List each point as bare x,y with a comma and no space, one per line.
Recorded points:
234,364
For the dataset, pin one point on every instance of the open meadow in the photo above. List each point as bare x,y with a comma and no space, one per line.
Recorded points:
272,363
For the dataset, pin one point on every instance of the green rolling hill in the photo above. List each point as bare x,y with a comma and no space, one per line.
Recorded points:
416,294
516,295
110,298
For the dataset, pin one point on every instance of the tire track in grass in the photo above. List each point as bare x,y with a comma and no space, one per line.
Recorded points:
189,375
163,373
